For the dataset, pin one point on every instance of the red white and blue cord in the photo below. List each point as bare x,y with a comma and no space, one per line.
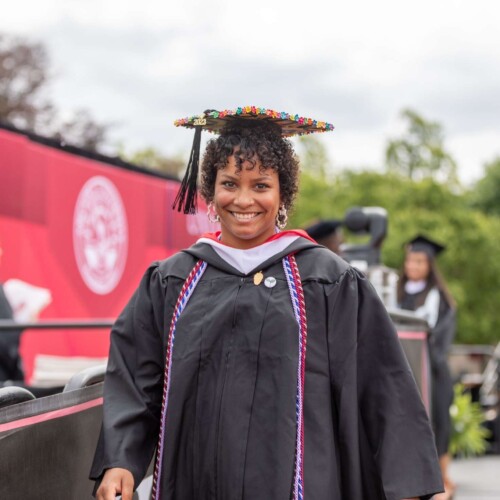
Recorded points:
298,304
187,290
299,309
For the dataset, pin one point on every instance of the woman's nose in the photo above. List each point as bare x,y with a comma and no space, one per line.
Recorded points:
244,199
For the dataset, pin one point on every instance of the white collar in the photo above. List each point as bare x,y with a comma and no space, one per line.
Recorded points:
251,258
413,287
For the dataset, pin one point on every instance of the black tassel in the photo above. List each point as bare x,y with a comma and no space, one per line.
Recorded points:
187,196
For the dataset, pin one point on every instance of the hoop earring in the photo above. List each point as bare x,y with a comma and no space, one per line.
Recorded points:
282,217
212,215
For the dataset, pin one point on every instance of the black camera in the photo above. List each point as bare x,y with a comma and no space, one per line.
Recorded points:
370,221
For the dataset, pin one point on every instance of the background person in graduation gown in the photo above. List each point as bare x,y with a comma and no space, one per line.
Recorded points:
208,361
327,233
10,360
422,289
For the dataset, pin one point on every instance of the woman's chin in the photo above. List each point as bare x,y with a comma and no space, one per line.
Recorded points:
246,236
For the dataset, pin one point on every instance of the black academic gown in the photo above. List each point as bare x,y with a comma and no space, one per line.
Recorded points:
10,361
230,427
440,340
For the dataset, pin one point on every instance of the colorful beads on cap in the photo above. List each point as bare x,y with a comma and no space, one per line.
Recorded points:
291,124
298,305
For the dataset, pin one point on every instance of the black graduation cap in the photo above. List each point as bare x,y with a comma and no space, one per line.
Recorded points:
216,121
424,244
323,228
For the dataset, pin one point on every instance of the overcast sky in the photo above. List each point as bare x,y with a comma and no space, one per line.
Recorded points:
357,64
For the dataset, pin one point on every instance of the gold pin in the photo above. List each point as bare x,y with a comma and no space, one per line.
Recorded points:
257,278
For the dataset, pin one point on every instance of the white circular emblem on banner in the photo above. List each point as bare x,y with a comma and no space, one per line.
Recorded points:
100,235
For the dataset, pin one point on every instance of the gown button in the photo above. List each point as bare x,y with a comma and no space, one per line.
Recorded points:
270,282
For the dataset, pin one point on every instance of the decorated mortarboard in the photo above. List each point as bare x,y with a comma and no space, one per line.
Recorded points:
424,244
216,121
323,228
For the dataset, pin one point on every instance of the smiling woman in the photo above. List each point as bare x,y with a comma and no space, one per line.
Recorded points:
249,144
250,175
260,364
247,201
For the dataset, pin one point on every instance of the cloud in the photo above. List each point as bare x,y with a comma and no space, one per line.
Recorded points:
464,92
356,64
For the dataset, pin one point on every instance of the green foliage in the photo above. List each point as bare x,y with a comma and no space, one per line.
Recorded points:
420,152
470,264
469,436
421,194
152,158
315,200
314,157
486,193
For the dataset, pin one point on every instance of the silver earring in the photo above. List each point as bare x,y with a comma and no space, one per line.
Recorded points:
282,217
212,215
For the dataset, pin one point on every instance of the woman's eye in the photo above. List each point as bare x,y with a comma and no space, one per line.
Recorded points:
261,186
228,184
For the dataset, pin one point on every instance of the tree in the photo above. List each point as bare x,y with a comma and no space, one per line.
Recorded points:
420,152
470,263
83,131
417,201
485,195
152,158
24,82
314,156
314,200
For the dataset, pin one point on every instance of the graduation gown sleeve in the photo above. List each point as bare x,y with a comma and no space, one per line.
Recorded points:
442,334
386,445
133,383
440,340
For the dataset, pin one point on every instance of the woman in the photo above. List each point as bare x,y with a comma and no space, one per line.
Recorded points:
209,363
423,290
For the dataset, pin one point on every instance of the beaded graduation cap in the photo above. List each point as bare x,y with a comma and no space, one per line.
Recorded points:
216,121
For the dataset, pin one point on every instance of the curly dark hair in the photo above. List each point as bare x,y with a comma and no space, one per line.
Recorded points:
246,141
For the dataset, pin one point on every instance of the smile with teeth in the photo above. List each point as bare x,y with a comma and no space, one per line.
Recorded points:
245,215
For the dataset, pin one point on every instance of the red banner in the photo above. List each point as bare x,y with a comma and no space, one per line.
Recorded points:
84,229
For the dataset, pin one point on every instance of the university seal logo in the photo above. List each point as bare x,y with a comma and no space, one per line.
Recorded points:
100,235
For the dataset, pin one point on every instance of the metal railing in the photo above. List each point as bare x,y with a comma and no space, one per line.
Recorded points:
56,324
